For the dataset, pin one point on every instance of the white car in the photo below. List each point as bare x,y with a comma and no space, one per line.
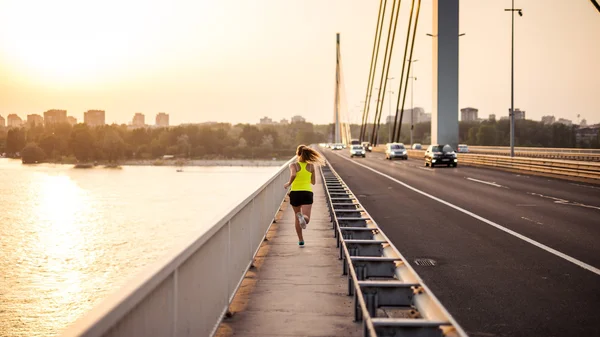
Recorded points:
462,148
357,151
337,146
395,150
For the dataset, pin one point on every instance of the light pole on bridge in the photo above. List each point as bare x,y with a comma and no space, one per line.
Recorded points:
512,78
412,108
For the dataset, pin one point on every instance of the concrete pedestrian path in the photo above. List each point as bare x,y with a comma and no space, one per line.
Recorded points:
294,291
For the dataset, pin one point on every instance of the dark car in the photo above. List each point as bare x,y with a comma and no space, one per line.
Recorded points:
440,155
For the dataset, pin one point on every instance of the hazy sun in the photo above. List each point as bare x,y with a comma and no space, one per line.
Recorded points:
66,41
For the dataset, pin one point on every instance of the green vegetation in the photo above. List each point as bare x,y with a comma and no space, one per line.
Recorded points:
497,133
112,143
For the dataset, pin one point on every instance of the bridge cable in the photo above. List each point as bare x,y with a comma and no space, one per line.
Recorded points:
412,6
383,75
378,38
408,71
371,72
595,3
377,123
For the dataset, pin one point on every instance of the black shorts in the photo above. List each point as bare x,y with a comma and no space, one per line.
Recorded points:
299,198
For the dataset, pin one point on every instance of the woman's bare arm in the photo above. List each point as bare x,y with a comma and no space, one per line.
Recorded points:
292,175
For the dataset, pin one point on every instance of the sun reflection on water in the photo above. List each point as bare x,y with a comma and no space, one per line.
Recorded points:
58,206
70,237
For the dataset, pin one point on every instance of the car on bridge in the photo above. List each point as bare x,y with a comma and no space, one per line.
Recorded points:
367,146
440,155
417,146
395,150
337,146
462,148
357,151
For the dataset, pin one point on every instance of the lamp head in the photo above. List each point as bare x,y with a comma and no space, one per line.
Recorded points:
520,13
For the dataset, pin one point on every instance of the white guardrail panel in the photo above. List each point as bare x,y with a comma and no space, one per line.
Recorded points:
378,275
188,291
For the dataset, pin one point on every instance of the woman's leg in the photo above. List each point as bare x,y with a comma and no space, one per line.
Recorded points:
298,228
306,209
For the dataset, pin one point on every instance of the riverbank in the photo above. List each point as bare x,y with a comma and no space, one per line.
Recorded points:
170,162
204,162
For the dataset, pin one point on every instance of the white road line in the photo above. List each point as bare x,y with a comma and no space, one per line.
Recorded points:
489,222
535,222
485,182
563,201
588,186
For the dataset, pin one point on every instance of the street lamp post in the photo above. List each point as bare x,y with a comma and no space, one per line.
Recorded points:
390,113
512,77
389,122
412,111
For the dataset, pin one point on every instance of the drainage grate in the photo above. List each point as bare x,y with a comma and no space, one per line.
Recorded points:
425,262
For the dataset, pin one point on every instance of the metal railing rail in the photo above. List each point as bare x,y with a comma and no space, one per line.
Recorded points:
379,277
188,292
529,152
538,149
568,168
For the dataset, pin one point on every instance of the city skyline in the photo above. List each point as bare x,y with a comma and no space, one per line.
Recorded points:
278,58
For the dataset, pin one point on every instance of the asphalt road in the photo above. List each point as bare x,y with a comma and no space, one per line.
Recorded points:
493,282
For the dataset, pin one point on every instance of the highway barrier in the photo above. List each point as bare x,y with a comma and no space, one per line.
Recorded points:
190,290
567,168
564,168
529,152
379,277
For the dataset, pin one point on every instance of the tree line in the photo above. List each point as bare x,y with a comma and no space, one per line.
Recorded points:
111,143
528,133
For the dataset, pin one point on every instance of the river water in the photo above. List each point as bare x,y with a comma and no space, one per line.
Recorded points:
69,237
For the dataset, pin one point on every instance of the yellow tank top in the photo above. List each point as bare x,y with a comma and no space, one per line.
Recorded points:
302,180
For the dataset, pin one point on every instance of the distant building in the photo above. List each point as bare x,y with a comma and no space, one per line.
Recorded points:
423,117
162,119
469,114
298,119
566,122
583,123
266,121
584,136
71,120
94,117
2,122
35,120
504,118
55,116
492,117
519,114
418,116
139,120
13,121
548,119
284,121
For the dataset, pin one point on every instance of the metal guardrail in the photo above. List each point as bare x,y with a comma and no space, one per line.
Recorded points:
538,149
560,154
530,152
190,290
379,277
568,168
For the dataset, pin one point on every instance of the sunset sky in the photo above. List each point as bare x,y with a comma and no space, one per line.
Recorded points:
240,60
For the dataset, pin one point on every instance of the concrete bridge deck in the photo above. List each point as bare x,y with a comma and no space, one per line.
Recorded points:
294,291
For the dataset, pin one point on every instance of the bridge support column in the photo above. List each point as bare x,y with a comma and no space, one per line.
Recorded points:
444,117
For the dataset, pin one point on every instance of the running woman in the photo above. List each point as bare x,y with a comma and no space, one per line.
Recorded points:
302,177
